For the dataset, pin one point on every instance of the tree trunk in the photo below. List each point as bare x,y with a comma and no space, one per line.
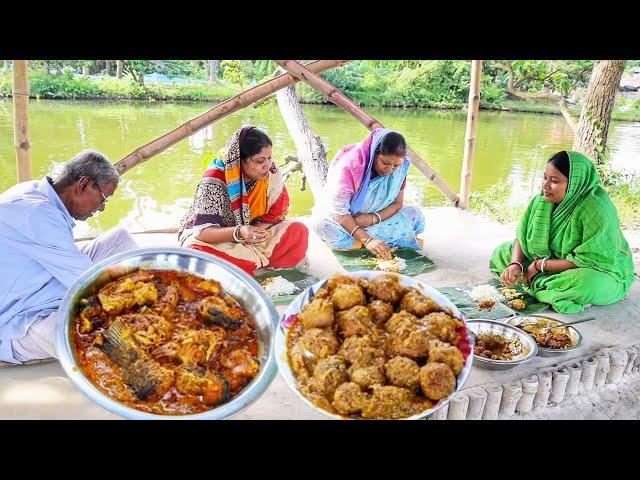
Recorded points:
311,151
213,70
107,67
593,126
45,65
207,68
118,69
85,71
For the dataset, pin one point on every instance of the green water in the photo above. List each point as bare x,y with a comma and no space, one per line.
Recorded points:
511,148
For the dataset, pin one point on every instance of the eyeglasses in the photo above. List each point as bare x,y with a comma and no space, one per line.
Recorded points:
105,199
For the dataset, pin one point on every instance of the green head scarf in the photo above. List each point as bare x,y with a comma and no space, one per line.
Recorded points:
542,221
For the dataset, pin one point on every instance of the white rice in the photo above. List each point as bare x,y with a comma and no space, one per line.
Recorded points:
485,292
276,286
396,264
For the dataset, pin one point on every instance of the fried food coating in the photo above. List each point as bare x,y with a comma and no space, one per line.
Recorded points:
360,350
369,375
418,304
437,380
449,355
348,398
329,373
386,288
403,372
391,402
408,336
347,295
355,321
380,312
317,314
443,326
316,343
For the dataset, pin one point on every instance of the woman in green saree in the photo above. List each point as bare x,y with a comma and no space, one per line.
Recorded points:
569,249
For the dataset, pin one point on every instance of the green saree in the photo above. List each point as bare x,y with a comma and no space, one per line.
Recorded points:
584,228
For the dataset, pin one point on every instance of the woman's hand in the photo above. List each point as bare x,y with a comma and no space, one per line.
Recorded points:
510,275
379,248
364,219
531,272
252,235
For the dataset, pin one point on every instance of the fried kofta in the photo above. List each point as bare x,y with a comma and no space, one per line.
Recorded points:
360,350
418,304
403,372
367,376
355,321
316,343
380,312
407,336
437,380
443,326
317,314
391,402
449,355
329,373
348,398
347,295
386,288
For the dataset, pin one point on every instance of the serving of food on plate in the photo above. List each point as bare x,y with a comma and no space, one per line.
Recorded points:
500,346
373,346
548,333
166,342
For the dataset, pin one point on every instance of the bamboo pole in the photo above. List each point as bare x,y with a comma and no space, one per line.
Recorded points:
21,119
334,95
143,153
471,134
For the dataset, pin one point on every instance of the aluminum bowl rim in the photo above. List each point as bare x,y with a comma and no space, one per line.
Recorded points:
67,358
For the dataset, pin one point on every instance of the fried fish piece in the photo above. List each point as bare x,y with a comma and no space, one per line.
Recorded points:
122,294
147,379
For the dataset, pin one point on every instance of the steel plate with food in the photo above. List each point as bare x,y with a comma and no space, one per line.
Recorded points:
551,337
372,345
499,346
160,333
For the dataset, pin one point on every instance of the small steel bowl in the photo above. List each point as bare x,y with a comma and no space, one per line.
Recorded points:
492,327
287,318
234,281
574,334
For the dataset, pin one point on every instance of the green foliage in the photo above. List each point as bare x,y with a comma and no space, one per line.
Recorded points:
232,70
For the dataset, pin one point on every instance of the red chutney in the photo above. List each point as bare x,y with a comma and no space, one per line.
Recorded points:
189,360
463,345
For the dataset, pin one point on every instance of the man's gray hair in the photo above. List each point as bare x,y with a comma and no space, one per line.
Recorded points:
92,164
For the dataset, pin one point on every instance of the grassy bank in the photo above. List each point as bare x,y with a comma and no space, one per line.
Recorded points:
407,93
624,192
76,88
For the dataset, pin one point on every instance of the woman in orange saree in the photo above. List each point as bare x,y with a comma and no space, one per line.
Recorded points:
239,209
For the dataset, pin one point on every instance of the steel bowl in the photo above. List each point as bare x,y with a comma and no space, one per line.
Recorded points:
234,281
492,327
306,296
574,334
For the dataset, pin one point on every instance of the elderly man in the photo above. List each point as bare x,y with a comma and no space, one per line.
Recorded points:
40,260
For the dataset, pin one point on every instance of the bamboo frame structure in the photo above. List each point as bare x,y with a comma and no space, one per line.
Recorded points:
21,119
471,134
145,152
332,94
